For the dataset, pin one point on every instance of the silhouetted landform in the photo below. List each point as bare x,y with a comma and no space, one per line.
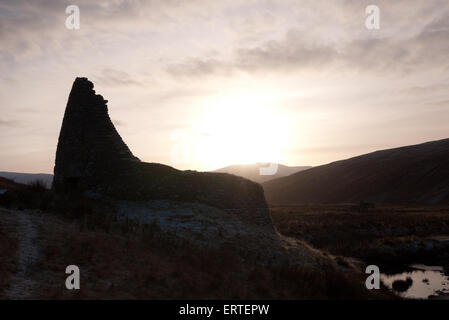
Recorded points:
252,171
28,178
417,174
6,188
92,158
7,184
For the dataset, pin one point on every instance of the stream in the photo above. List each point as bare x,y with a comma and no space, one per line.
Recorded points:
418,281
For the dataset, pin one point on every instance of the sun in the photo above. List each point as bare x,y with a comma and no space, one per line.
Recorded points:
238,129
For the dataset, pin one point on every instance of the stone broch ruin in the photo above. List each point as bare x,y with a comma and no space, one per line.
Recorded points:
91,157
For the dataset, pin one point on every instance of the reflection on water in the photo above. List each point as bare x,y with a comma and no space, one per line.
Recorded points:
418,282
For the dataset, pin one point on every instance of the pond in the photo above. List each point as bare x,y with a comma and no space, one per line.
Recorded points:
418,281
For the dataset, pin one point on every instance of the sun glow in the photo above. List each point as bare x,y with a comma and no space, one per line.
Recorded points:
237,129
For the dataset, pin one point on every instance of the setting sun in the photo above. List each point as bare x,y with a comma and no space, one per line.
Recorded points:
234,128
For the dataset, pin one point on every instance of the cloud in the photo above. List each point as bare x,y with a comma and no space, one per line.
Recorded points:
426,90
113,77
365,51
9,123
198,67
285,55
427,50
35,28
316,35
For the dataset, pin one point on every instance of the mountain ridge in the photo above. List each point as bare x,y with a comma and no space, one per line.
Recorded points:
251,171
407,174
27,178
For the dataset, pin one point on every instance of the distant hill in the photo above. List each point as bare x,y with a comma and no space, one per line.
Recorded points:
412,174
6,184
251,171
27,178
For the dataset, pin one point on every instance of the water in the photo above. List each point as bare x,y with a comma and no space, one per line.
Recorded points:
426,281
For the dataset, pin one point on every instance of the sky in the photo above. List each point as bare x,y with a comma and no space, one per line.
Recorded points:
204,84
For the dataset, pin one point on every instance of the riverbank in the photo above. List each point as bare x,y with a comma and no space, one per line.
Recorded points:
389,237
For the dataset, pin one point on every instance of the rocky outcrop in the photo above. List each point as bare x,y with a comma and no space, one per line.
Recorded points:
92,157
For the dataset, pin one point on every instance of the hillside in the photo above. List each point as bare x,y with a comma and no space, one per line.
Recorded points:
125,259
28,178
251,171
7,184
412,174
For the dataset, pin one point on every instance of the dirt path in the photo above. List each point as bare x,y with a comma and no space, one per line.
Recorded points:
23,283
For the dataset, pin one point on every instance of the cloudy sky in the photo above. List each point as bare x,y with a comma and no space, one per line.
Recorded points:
203,84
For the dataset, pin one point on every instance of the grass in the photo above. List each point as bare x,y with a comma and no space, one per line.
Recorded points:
32,196
125,260
8,248
368,235
148,264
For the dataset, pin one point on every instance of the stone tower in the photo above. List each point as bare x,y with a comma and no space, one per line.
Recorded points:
88,142
92,157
